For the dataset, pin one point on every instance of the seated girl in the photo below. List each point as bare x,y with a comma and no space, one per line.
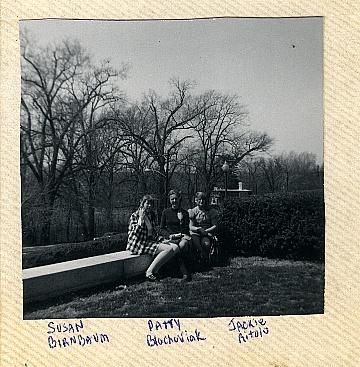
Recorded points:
203,224
143,239
174,226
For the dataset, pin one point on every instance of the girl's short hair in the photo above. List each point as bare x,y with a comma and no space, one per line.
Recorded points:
200,195
151,199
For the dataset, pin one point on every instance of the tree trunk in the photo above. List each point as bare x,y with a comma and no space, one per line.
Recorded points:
91,207
110,205
49,200
80,210
68,221
141,185
287,181
45,233
162,192
163,183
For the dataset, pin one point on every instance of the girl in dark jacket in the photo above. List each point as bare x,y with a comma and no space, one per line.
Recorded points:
175,227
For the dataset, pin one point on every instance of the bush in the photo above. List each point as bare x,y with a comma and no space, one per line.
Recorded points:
289,226
44,255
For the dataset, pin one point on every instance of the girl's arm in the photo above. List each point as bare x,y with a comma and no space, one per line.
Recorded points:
214,220
163,220
162,229
193,227
186,223
136,225
211,229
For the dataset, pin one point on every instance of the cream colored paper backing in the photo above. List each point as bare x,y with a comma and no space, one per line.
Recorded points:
320,340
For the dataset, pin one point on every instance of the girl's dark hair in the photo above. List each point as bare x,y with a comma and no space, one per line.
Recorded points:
150,199
174,192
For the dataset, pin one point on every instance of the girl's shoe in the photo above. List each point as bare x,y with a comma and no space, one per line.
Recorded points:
152,278
186,278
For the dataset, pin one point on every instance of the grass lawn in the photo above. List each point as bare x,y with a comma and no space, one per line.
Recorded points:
248,286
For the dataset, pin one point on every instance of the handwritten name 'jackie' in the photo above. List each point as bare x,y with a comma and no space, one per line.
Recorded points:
249,329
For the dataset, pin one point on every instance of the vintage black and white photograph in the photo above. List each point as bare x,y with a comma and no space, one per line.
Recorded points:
172,168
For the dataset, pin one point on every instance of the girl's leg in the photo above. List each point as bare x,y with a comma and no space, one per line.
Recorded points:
206,244
183,246
164,253
196,242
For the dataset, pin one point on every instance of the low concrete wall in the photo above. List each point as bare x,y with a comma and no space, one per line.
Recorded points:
47,281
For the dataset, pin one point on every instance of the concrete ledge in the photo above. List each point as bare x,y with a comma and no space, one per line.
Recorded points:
47,281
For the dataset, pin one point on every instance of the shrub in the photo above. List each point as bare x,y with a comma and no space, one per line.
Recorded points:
44,255
288,225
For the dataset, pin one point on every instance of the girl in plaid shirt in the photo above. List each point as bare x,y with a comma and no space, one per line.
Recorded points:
143,239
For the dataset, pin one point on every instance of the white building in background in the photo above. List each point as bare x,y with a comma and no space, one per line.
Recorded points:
218,194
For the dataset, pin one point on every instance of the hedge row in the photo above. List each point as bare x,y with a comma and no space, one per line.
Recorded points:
287,226
45,255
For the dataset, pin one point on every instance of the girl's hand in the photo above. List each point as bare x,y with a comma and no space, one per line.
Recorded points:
180,216
141,217
142,213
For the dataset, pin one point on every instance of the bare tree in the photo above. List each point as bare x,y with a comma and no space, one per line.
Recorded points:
61,92
298,169
93,95
290,172
250,167
111,163
136,130
272,174
160,127
45,116
221,131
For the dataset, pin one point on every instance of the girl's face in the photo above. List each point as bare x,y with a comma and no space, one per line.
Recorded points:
201,202
147,206
174,201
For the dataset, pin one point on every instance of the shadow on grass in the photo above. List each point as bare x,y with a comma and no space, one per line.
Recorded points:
247,287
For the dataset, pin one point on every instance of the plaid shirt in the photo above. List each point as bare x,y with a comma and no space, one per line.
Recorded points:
139,242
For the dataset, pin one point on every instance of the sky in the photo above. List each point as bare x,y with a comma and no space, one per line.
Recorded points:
275,65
